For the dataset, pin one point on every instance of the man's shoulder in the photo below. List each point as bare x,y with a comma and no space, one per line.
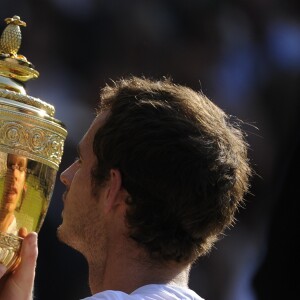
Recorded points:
149,292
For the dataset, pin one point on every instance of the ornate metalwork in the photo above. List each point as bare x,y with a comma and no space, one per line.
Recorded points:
29,134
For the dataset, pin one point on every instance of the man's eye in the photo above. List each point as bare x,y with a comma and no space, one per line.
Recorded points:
17,167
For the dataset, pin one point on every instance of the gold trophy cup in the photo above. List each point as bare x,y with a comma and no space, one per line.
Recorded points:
31,147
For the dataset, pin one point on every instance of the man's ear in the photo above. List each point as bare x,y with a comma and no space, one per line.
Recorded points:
115,193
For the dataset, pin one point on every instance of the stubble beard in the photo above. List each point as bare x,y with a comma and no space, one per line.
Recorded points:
59,230
89,238
87,235
70,235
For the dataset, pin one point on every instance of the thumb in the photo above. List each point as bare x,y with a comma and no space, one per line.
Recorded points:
25,272
19,283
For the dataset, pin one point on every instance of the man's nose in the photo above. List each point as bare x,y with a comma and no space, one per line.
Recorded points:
66,176
63,178
15,173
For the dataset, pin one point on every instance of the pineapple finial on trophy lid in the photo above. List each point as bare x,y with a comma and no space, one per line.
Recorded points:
11,37
15,69
12,64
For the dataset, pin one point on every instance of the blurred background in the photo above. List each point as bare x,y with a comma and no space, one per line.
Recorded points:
244,55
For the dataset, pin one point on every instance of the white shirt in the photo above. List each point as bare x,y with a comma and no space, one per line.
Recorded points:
149,292
13,228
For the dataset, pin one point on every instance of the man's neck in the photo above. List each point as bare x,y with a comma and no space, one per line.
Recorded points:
126,272
6,220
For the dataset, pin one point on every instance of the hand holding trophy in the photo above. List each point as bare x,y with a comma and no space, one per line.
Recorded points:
31,147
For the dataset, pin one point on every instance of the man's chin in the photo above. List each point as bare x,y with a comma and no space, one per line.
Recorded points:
60,233
64,237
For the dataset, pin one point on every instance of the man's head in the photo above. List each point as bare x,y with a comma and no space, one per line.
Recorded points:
14,183
182,162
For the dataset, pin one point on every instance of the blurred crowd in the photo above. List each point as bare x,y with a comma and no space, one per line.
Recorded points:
243,54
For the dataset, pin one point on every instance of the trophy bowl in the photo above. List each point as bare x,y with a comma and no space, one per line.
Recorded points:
31,147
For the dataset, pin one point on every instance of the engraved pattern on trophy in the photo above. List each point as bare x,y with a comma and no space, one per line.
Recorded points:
31,148
9,247
38,142
9,241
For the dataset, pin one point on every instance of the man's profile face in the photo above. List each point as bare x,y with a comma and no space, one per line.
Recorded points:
82,221
14,181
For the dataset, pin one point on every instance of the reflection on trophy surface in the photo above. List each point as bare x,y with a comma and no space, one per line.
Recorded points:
25,189
14,188
31,147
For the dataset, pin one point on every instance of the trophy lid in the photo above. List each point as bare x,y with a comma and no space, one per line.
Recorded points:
27,124
15,69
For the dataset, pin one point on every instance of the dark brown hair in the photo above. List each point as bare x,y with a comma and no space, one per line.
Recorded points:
182,161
